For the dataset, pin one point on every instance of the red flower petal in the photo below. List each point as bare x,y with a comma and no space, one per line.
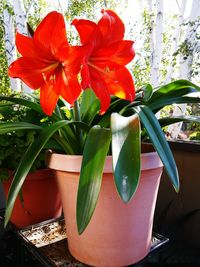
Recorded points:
48,98
73,59
50,35
85,74
120,83
111,27
25,45
28,70
120,53
73,62
100,88
85,29
68,86
72,92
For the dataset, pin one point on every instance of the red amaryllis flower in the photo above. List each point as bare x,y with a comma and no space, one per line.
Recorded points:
104,68
48,62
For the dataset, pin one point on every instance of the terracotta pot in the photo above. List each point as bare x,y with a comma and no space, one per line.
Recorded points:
41,199
118,234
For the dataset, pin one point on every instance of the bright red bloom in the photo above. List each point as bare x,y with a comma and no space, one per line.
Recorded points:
48,62
104,67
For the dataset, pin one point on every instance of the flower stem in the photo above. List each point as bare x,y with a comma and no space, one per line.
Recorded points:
77,117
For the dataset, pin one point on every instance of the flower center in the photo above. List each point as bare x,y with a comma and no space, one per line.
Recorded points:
104,70
48,73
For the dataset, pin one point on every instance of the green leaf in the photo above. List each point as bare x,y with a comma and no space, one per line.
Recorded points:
27,161
87,99
28,103
172,93
8,127
159,142
172,99
89,106
53,145
117,105
170,120
66,133
126,151
147,92
23,102
94,155
176,86
5,109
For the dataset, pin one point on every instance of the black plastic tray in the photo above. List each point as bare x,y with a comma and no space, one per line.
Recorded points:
47,241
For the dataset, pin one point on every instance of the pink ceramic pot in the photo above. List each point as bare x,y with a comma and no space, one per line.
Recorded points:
41,199
118,234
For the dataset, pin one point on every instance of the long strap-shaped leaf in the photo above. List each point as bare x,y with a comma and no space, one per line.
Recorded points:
172,93
171,99
89,106
23,102
159,141
28,103
176,86
27,161
5,109
126,151
170,120
94,155
14,126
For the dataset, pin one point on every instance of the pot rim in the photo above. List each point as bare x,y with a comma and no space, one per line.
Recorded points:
72,163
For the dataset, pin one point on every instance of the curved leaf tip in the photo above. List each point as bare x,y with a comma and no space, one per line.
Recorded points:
126,150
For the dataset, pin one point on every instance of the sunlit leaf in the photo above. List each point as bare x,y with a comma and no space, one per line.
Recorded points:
94,155
126,149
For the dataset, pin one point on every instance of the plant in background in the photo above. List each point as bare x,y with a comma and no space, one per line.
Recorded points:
15,143
93,128
13,146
